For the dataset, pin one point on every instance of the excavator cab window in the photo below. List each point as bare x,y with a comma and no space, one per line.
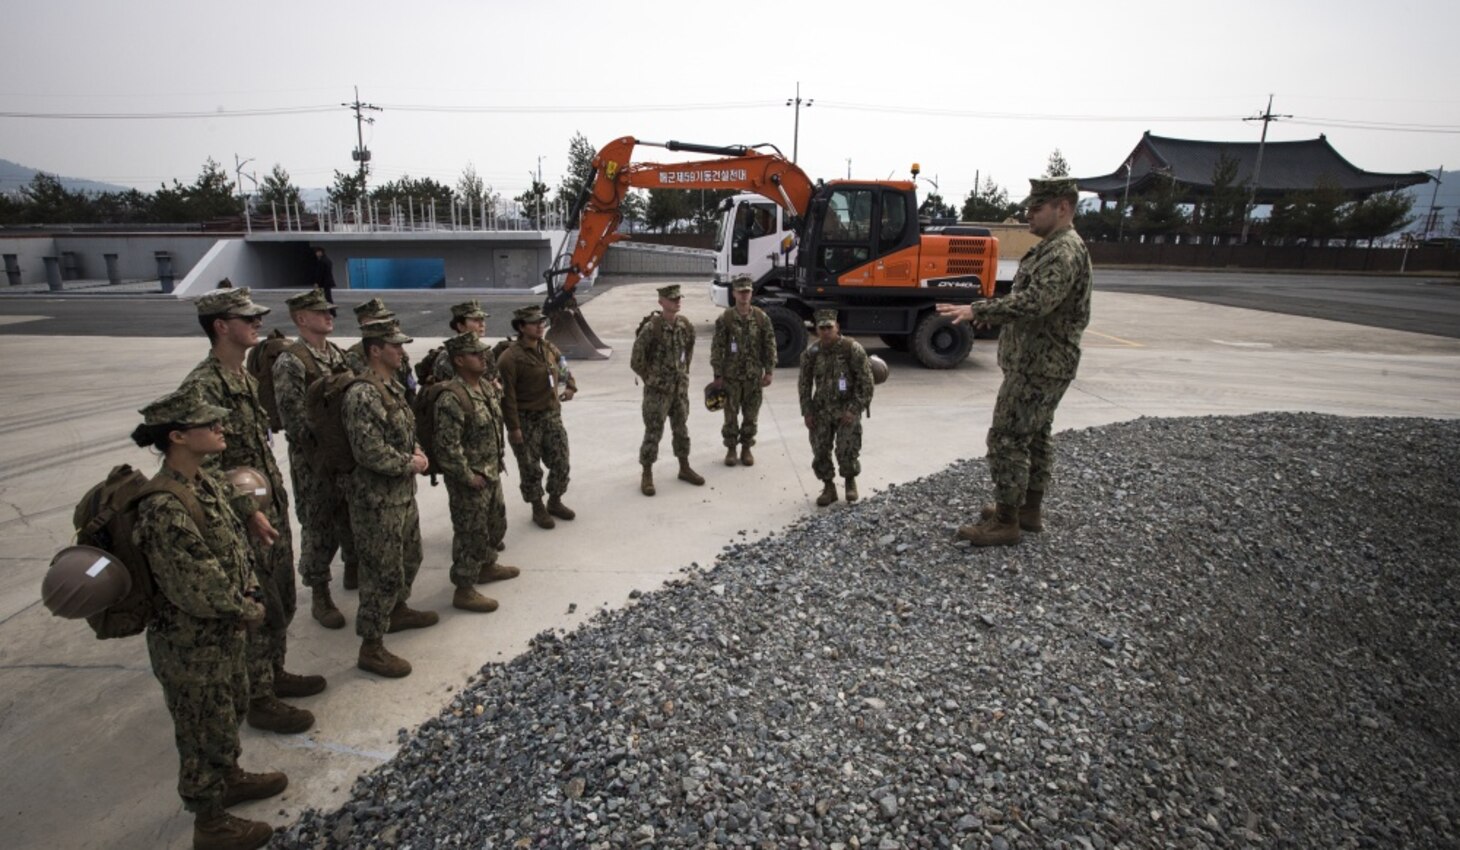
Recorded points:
846,231
893,226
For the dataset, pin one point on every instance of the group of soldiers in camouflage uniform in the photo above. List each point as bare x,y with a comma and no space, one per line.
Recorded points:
223,562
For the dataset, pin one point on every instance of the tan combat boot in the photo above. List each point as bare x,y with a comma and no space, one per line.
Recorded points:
687,474
352,576
240,786
467,599
273,715
1002,529
1031,514
646,481
556,507
852,490
290,685
402,618
746,458
221,831
540,516
323,609
375,658
497,572
828,494
730,459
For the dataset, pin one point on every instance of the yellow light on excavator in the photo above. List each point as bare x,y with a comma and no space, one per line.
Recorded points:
915,169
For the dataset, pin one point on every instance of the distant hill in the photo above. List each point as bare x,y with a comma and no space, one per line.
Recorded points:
14,176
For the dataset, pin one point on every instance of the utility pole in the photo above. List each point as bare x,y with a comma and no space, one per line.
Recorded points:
1125,199
360,154
238,165
1266,118
796,134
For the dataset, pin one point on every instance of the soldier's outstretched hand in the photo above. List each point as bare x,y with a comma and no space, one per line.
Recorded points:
959,312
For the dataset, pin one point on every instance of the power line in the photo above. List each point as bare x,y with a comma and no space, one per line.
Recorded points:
170,116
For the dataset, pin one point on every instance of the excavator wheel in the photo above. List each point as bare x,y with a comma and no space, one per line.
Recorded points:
940,344
790,334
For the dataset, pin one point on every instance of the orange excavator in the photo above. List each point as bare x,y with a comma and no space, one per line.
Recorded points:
860,250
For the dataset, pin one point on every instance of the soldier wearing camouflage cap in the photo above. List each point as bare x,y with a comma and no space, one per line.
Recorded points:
664,347
319,497
382,497
743,358
835,388
535,383
375,310
468,452
192,526
232,321
1044,316
467,316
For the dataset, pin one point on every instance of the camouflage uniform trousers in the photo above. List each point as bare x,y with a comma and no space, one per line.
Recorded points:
659,405
388,543
544,442
473,521
742,410
206,689
324,519
274,566
1021,453
827,431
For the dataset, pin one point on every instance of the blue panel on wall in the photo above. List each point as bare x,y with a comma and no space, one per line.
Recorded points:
414,273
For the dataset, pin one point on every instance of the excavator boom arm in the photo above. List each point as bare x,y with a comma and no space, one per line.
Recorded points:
614,174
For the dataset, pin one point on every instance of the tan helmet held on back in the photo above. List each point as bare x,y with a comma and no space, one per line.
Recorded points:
880,371
84,581
250,482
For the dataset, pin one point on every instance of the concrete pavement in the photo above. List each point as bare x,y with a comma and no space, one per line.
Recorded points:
85,738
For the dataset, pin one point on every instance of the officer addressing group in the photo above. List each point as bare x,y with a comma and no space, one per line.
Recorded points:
835,387
381,430
743,358
468,453
1044,316
319,496
663,350
535,383
232,320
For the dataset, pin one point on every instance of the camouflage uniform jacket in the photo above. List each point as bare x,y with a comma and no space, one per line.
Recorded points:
201,574
531,378
835,379
247,426
382,438
355,359
744,347
1047,309
663,351
292,378
468,442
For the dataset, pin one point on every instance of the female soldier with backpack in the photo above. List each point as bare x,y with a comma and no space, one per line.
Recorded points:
191,527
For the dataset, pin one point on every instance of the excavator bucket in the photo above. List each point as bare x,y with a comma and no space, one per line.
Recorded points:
569,331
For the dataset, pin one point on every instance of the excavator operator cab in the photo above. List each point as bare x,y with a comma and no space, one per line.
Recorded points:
855,225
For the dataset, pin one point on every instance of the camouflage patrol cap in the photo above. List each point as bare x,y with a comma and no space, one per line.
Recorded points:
230,302
311,300
1041,190
183,406
468,310
825,318
467,343
744,281
385,330
527,316
373,311
671,292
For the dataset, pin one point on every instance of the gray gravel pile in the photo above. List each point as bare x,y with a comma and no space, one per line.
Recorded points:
1234,632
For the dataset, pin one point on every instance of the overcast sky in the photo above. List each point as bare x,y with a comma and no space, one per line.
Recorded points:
960,87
